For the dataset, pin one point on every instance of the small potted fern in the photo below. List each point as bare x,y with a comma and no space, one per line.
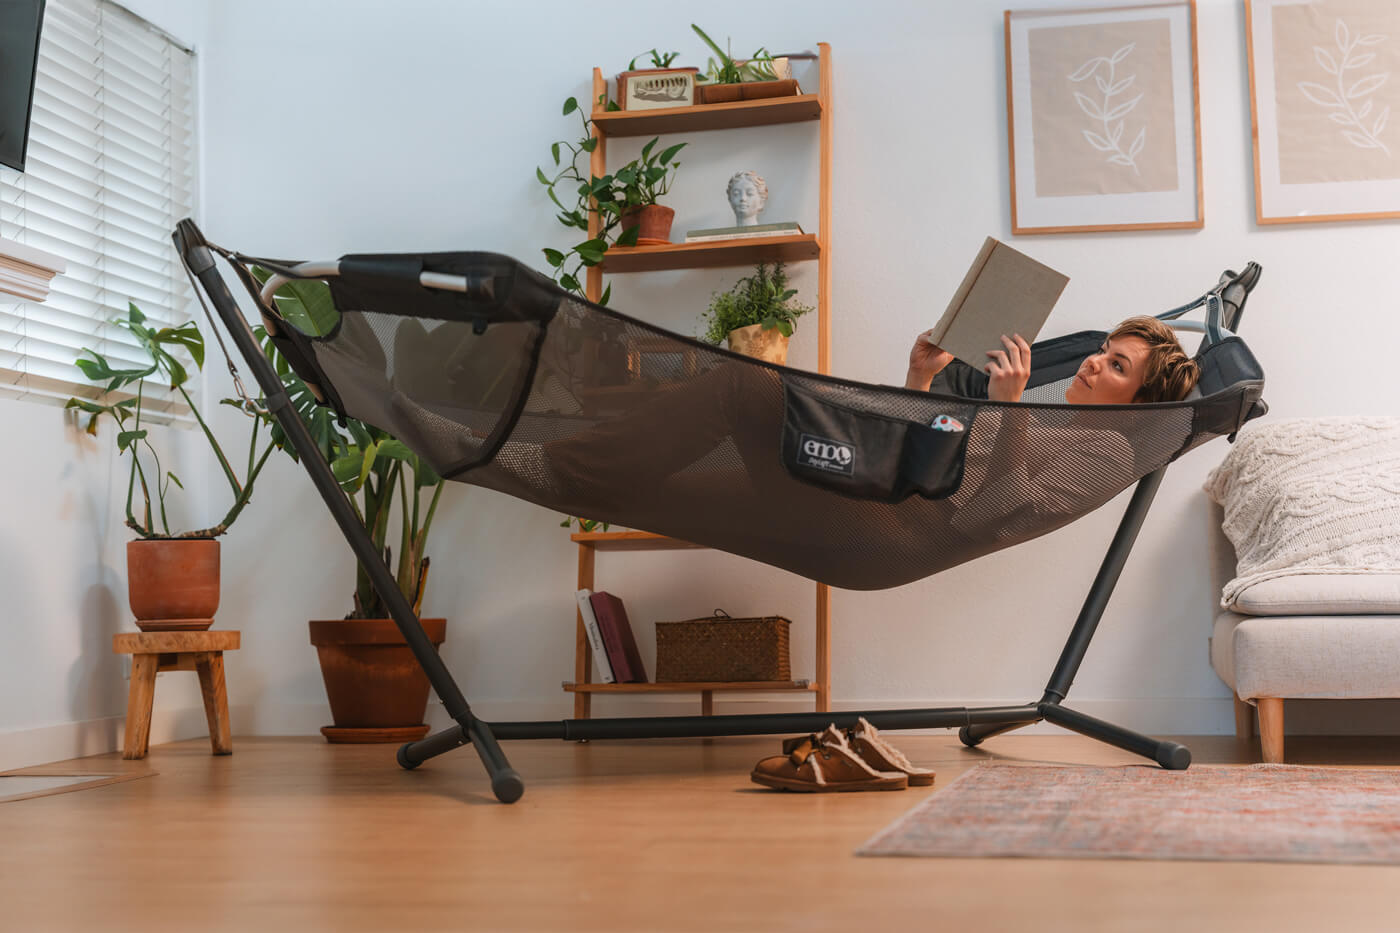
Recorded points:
756,315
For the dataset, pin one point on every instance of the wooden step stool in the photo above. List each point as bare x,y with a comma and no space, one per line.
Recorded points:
153,652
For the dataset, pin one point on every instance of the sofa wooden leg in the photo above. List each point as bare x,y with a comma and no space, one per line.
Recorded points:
1244,720
1271,729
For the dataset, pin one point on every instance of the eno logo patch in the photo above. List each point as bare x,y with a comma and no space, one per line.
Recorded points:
820,453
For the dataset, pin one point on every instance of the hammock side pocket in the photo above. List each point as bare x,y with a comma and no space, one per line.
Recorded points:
869,456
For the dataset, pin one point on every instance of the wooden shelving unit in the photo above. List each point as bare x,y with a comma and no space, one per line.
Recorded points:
812,247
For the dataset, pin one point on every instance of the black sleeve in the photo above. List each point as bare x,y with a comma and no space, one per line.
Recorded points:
960,379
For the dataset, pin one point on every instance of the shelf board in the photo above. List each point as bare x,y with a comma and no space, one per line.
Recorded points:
718,687
798,247
740,113
629,541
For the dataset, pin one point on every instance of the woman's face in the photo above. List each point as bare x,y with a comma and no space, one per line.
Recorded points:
744,198
1112,376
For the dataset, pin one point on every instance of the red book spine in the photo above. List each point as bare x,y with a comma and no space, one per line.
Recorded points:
617,638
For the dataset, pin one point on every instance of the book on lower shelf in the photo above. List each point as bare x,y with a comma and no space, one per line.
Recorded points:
742,233
595,637
621,646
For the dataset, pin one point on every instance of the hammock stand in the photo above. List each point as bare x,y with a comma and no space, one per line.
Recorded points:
396,285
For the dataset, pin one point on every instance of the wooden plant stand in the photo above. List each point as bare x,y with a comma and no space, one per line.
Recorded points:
153,652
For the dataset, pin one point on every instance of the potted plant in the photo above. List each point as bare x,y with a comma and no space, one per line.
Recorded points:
729,79
658,86
377,691
625,201
756,315
172,576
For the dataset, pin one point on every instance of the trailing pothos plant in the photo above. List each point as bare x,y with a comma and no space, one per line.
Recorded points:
376,470
124,398
612,197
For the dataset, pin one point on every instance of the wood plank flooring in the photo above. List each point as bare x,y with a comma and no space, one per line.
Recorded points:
295,834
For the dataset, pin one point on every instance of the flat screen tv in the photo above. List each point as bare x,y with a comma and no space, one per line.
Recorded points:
20,21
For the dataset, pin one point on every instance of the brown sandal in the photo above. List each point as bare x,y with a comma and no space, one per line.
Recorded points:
866,742
823,763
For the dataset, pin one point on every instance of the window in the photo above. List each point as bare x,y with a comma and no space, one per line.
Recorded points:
111,168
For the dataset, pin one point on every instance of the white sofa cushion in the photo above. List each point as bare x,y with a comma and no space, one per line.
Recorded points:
1322,594
1315,657
1317,496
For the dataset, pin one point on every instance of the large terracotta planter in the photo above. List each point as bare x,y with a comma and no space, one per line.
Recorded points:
173,583
377,691
770,345
654,221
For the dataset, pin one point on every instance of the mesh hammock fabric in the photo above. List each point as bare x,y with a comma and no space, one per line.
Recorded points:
518,386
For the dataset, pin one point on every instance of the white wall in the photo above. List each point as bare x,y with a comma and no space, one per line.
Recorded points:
354,126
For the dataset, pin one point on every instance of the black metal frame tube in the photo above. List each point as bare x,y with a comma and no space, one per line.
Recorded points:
1169,755
200,261
1104,581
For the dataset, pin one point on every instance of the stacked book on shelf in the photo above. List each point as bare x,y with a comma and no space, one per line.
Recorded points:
610,634
742,233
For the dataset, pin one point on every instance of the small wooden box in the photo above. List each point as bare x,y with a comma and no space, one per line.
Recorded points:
719,649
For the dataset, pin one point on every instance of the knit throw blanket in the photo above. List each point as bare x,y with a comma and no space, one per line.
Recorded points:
1311,496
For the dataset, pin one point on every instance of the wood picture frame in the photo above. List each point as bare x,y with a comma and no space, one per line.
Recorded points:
1103,118
1320,99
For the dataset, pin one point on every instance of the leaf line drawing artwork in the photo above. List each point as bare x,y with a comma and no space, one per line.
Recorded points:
1342,100
1108,114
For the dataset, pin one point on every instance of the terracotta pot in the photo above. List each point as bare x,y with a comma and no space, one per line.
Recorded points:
770,345
654,221
377,691
173,583
717,93
757,90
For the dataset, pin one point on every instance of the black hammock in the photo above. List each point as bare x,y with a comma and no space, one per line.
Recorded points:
500,379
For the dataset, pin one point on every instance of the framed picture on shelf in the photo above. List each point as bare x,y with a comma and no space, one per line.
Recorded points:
656,89
1321,96
1103,117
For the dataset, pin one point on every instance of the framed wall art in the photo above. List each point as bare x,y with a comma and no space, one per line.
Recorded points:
1103,116
1324,79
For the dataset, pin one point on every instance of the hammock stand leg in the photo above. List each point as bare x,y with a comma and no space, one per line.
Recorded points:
505,782
1169,755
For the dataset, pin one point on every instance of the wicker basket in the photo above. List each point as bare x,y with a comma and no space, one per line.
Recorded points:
720,649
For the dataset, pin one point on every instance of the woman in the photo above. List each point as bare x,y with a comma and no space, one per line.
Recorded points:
1140,361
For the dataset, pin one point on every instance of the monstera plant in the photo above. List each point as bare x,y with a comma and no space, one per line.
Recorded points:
377,692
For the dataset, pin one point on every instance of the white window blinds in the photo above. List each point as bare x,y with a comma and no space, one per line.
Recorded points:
110,169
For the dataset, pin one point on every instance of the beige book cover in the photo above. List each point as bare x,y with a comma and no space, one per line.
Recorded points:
1004,292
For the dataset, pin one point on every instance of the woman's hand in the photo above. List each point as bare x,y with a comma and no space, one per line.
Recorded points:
1008,370
926,360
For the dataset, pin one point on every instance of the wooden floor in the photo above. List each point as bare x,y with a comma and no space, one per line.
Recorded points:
295,834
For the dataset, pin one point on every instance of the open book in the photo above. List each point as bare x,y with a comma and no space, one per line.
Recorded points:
1004,292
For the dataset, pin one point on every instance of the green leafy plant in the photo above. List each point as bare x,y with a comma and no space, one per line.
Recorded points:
584,524
762,298
376,470
611,197
725,69
133,439
658,59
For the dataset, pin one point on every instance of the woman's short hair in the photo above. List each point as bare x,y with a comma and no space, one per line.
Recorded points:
1169,373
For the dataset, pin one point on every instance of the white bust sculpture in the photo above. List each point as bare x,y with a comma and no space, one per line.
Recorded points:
747,195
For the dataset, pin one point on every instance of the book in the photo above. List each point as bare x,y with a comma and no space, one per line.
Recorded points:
742,233
626,661
1004,292
595,637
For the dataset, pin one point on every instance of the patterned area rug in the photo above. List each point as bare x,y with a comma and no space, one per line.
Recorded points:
1260,813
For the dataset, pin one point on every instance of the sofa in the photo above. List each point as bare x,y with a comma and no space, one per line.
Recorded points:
1305,556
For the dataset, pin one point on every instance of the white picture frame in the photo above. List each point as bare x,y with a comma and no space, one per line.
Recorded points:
1103,118
659,90
1321,96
